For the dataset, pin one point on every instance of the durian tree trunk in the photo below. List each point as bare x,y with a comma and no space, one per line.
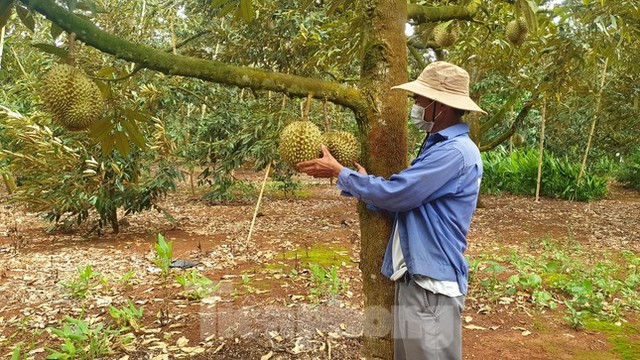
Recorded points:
113,220
544,118
112,211
384,129
593,123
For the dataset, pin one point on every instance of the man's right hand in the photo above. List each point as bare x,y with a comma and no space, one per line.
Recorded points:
325,167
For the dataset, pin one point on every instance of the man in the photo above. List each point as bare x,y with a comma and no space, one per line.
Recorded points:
433,201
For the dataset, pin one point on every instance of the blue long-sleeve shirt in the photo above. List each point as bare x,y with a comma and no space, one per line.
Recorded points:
433,201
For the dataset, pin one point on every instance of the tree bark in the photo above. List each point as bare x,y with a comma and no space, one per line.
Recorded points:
540,157
385,144
593,123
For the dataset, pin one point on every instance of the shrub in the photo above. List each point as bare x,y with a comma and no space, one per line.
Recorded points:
630,171
517,174
65,177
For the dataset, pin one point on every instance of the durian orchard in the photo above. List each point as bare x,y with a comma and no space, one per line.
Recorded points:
350,58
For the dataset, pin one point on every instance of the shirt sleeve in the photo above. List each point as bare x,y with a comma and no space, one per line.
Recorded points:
409,188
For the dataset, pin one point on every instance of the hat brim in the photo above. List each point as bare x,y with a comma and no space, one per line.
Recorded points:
457,101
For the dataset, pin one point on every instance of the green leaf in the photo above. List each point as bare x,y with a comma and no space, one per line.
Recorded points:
16,352
52,49
6,9
26,17
246,10
99,129
106,72
70,347
134,132
58,332
136,115
57,355
226,9
105,88
223,7
122,143
55,31
218,3
305,4
107,145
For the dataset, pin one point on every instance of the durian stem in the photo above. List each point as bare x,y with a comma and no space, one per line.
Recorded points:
305,113
142,15
71,58
217,50
173,36
327,126
255,213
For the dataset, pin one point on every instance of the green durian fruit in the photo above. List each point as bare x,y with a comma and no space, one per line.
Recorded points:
343,145
517,139
517,31
71,97
300,141
445,35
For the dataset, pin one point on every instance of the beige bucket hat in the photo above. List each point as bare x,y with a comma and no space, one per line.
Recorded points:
445,83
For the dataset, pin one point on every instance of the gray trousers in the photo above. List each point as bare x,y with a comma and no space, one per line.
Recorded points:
426,325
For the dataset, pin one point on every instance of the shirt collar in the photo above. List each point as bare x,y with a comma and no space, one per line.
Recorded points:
453,131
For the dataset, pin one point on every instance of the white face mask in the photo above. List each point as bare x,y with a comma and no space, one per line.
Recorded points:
417,118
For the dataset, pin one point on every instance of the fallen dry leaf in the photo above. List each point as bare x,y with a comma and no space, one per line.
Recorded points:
474,327
182,342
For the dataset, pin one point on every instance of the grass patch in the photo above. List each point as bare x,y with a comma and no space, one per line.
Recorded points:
320,254
623,338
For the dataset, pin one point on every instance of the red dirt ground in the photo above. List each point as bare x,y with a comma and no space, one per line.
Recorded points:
270,310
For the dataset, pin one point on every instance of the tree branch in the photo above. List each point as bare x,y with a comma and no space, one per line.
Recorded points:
498,116
417,55
137,68
512,129
208,70
415,43
419,14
